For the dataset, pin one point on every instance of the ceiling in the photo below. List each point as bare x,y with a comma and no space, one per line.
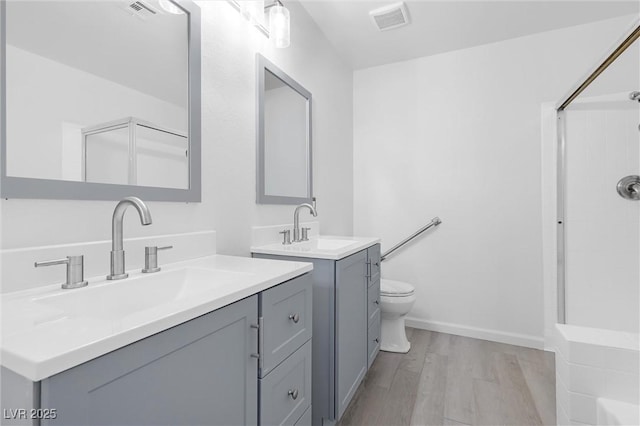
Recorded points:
105,39
442,26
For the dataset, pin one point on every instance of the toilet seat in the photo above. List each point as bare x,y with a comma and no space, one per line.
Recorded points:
391,288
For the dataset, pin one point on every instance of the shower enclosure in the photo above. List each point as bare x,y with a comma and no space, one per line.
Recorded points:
598,243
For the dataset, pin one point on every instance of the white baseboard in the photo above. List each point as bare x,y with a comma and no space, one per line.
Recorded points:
477,333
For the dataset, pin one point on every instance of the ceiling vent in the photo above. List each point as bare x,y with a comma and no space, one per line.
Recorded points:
389,17
141,9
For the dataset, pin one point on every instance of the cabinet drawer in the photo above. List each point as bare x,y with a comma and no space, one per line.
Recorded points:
286,320
285,394
373,294
373,347
305,420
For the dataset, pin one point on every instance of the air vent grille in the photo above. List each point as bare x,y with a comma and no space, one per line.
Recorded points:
389,17
140,9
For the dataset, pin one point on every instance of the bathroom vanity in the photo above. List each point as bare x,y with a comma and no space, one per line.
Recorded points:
217,340
346,315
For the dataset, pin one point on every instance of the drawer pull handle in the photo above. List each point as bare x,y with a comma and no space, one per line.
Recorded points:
295,318
293,393
256,356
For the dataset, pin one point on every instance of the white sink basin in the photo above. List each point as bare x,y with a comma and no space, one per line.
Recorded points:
119,299
330,244
48,330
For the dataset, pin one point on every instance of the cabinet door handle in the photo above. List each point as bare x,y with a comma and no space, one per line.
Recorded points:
377,302
293,393
295,318
260,330
376,340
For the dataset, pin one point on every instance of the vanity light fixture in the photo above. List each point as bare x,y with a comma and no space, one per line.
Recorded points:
279,25
252,10
278,31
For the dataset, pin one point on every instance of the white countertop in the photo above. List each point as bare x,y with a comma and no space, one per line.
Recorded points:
320,247
46,331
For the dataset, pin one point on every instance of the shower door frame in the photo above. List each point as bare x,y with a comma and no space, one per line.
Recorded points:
630,37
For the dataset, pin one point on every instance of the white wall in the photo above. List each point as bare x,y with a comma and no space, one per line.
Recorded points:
458,135
229,45
45,95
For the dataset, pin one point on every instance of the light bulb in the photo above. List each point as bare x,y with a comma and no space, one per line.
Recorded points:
279,28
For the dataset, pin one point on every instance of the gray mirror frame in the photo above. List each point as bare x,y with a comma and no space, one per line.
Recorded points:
263,64
20,187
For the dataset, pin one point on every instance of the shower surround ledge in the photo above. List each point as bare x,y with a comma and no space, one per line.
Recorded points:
595,364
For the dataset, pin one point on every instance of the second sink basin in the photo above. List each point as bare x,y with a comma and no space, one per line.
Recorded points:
318,247
119,299
331,244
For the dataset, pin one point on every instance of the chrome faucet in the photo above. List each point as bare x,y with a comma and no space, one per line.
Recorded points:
296,219
117,252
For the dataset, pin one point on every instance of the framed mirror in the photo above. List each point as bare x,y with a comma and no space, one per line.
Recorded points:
284,174
100,100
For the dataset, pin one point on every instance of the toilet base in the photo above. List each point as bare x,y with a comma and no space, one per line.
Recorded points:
393,337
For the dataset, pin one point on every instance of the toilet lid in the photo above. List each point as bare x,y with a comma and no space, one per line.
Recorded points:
395,288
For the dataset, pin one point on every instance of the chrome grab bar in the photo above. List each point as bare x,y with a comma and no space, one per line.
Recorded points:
434,222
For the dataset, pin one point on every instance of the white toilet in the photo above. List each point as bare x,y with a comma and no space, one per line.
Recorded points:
396,300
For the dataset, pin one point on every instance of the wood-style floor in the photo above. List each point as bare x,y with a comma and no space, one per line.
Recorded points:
454,380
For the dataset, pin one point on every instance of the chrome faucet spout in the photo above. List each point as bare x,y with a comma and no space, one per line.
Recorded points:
117,252
296,220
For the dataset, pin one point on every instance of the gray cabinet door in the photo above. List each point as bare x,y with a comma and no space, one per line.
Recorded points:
374,339
286,320
197,373
374,302
351,326
373,259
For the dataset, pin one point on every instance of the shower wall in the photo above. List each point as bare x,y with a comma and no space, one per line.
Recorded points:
602,228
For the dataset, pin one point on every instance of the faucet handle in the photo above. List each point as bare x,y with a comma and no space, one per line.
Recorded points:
151,258
75,270
305,234
286,234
